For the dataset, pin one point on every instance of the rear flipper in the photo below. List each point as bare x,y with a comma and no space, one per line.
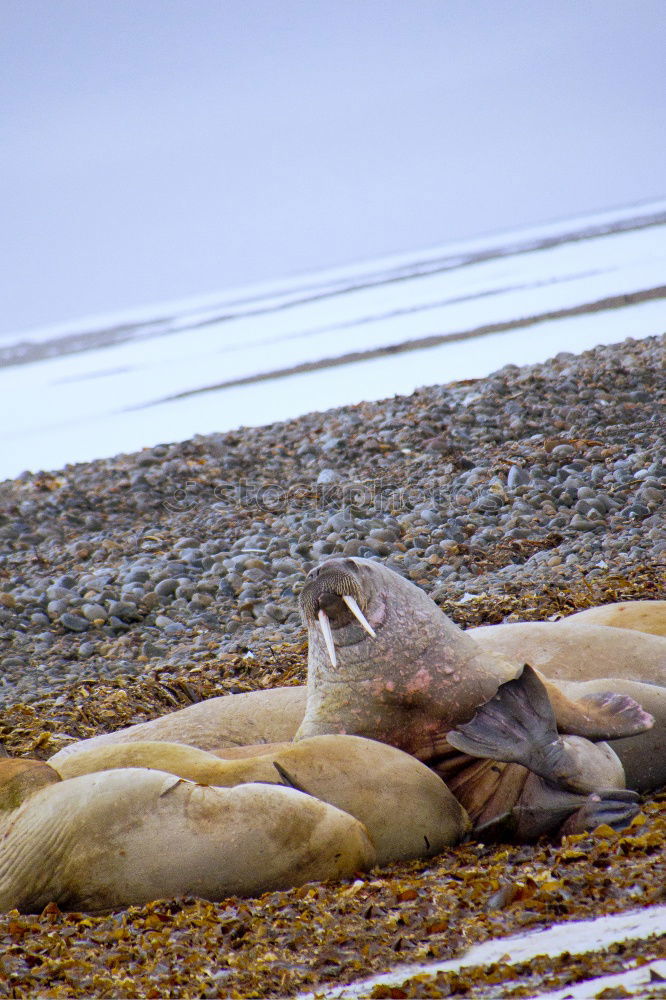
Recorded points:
544,809
289,780
615,808
518,726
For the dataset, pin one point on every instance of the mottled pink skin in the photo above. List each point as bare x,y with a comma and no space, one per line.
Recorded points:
415,681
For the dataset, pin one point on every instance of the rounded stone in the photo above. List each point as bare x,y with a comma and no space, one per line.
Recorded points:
94,612
327,476
517,477
57,593
74,623
638,511
582,523
56,608
125,610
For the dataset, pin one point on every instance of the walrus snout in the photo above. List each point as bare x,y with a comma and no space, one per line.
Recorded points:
333,598
326,588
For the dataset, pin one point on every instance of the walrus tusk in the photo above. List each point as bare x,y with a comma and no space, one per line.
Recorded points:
325,626
358,614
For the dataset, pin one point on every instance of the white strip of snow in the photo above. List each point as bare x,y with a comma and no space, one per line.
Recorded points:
47,425
576,937
183,312
120,397
641,982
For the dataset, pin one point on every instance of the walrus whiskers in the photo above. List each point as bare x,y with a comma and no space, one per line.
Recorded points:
352,604
325,627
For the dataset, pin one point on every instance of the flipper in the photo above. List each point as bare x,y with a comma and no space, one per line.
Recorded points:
518,725
616,808
288,779
607,716
544,809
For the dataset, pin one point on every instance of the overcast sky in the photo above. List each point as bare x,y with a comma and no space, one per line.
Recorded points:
154,149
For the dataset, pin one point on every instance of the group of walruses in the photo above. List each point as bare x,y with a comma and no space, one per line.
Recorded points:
409,736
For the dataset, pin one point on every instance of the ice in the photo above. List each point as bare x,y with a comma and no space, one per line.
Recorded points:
105,399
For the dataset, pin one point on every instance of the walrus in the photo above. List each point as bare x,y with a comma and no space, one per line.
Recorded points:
640,616
128,836
273,716
403,674
389,665
574,650
407,810
232,720
586,657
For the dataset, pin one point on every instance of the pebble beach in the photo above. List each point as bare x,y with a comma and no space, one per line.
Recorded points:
133,585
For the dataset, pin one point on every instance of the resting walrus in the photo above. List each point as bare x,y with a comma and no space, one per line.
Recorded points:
639,616
386,663
131,835
372,782
120,825
416,677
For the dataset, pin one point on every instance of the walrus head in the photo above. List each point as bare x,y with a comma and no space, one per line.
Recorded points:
334,596
384,661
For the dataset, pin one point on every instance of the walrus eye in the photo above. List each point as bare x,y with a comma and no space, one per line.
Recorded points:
358,614
325,627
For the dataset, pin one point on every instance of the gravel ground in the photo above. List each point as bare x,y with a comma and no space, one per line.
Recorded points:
134,585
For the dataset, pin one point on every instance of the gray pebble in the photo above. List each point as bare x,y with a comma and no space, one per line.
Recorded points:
94,612
517,477
57,593
327,476
57,608
638,511
13,662
74,623
582,524
151,649
175,629
125,610
162,621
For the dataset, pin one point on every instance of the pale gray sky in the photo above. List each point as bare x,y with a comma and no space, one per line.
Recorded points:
154,149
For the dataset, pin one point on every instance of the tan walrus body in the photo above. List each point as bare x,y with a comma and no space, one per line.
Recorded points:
587,658
128,836
576,650
232,720
406,809
639,616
